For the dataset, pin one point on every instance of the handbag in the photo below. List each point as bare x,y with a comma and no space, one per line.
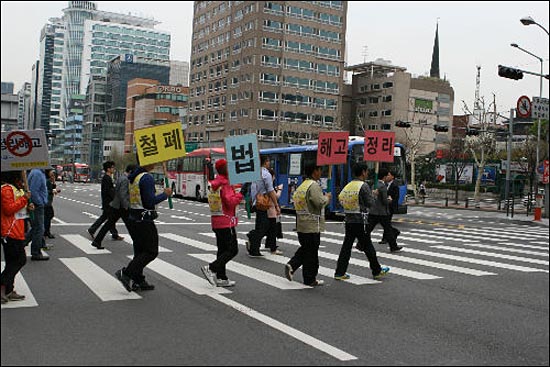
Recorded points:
279,228
262,201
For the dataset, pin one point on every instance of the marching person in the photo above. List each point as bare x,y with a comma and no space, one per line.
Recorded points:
39,197
118,207
271,238
107,195
141,226
309,202
356,198
380,213
223,201
264,186
393,198
13,214
48,209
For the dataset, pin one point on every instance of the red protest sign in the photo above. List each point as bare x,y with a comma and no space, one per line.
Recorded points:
332,148
379,146
546,172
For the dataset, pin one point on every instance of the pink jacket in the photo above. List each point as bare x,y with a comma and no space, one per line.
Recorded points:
230,201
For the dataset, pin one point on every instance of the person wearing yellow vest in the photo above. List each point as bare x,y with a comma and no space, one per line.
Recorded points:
309,202
141,227
13,214
356,198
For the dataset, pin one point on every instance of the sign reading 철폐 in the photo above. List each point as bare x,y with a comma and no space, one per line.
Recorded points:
24,149
379,146
243,158
332,148
159,143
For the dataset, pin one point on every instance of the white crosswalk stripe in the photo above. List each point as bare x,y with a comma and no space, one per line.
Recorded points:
492,254
84,244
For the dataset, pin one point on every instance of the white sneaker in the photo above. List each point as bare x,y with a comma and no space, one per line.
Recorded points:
208,274
288,272
226,283
317,283
276,252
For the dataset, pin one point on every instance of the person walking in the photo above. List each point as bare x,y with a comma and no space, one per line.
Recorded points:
309,202
39,197
380,213
393,198
271,237
262,225
49,213
13,213
141,225
356,198
118,208
223,201
107,195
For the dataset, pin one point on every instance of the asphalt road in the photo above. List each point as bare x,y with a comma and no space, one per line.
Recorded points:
470,288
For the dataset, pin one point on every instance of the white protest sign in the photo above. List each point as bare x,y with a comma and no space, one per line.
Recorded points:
24,149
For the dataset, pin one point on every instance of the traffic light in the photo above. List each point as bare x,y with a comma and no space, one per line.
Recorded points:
403,124
472,132
510,73
441,128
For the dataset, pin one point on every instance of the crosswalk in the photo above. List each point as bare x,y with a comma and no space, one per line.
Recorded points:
428,255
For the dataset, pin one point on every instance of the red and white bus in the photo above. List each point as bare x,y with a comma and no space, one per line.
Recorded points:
188,176
81,171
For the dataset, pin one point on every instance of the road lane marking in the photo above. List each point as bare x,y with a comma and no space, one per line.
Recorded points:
189,241
129,241
84,244
493,254
507,249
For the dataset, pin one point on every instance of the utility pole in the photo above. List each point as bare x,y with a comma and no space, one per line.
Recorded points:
509,157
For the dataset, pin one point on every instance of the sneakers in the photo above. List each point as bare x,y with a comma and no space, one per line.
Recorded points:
39,257
117,238
396,249
14,296
252,254
276,252
47,247
342,277
143,286
208,274
97,246
226,283
385,270
91,234
317,283
124,279
288,272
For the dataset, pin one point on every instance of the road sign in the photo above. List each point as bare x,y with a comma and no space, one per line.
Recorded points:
24,149
540,108
524,107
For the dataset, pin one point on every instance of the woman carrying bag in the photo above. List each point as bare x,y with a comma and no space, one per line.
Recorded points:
275,228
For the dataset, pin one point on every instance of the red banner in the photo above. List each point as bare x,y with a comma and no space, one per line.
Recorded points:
379,146
332,148
546,173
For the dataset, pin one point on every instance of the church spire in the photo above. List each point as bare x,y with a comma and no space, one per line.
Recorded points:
434,70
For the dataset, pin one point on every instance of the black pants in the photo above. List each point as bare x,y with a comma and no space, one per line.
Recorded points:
145,238
99,221
48,216
271,239
14,254
113,216
228,248
396,231
308,256
260,231
353,231
384,220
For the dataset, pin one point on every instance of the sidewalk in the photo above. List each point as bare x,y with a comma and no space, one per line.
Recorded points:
520,212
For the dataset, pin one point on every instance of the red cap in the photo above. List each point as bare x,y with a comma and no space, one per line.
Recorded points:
220,163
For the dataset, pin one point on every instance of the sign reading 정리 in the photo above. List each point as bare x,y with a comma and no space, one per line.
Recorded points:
24,149
332,148
379,146
243,158
159,143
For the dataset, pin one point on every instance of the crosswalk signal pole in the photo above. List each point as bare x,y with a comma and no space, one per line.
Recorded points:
509,157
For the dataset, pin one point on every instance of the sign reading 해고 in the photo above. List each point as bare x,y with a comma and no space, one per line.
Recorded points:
24,149
379,146
332,148
243,158
159,143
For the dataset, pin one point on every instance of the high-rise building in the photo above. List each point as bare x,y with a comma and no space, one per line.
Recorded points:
7,88
179,73
9,111
24,108
268,67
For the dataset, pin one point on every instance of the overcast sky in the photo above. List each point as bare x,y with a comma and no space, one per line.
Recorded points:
470,34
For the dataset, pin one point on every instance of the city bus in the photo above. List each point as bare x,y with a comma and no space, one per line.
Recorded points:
289,164
81,171
188,176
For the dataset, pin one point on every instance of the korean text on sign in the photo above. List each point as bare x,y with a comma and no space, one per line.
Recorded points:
159,143
243,158
24,149
379,146
332,148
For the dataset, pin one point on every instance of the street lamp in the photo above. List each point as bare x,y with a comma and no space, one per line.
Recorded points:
528,21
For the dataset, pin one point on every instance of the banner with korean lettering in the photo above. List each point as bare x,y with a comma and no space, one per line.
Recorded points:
24,149
243,158
332,148
159,143
379,146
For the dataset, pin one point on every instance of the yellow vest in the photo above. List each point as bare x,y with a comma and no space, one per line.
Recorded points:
17,193
135,194
215,202
299,197
349,197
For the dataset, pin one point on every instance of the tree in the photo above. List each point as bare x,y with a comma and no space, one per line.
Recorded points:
458,160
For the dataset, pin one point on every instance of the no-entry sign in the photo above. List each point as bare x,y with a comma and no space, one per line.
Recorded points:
24,149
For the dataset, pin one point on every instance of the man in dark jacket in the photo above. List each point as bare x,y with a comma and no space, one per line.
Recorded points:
107,195
393,198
